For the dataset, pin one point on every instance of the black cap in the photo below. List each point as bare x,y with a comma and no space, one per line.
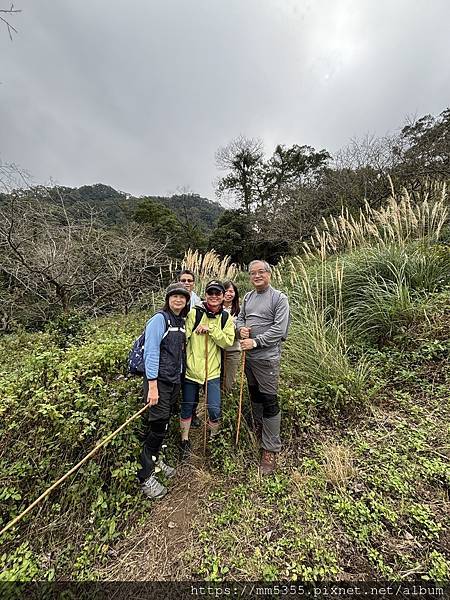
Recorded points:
177,288
215,285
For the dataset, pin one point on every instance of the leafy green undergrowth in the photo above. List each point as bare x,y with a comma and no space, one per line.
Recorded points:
363,495
57,401
362,489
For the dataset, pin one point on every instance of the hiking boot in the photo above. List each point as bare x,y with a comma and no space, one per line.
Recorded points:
196,422
186,449
212,436
151,488
166,470
267,464
213,428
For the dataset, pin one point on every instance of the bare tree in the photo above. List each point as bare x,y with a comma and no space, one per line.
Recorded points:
43,251
12,177
361,171
367,151
5,19
133,263
60,262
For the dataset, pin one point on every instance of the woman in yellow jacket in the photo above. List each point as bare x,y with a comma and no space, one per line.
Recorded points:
220,332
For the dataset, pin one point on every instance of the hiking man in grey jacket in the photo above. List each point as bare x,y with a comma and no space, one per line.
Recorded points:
262,325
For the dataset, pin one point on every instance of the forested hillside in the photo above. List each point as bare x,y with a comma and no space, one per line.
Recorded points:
96,250
113,207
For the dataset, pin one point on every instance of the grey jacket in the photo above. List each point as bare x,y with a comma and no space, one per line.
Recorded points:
194,300
267,315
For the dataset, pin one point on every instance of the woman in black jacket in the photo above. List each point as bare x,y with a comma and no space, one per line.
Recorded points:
165,362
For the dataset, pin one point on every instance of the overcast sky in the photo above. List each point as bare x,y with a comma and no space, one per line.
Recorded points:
139,94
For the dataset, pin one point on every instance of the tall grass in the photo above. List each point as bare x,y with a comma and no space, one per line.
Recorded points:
370,294
402,220
366,296
317,348
205,266
391,263
386,289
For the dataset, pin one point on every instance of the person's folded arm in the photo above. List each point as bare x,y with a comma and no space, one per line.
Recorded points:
222,337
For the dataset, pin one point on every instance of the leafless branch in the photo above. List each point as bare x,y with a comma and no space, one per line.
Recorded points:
9,27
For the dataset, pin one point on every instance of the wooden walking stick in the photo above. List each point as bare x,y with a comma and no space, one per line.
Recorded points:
206,393
224,371
73,469
240,397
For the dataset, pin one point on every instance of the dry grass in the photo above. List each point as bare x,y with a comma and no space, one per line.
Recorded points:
402,219
300,480
205,266
338,465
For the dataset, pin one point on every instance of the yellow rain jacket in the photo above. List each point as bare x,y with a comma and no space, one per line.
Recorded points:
195,352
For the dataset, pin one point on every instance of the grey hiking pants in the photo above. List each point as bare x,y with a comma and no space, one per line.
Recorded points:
262,377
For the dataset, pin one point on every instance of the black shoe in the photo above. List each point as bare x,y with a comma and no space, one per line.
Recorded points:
196,422
186,449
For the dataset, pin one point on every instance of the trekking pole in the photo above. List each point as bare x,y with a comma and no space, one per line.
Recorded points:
241,393
224,371
73,469
206,393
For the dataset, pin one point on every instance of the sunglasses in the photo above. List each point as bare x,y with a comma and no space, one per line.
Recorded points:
186,281
214,293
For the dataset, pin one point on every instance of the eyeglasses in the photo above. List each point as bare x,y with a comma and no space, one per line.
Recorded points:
254,273
186,281
214,293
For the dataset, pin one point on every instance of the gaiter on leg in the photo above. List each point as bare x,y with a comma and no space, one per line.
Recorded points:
271,423
257,407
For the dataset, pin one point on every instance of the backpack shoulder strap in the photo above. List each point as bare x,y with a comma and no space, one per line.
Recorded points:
224,318
165,315
166,320
244,300
199,312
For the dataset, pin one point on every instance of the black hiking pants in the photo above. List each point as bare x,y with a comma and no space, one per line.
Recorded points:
156,423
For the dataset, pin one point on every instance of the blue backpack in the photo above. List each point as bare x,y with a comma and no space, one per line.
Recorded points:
136,363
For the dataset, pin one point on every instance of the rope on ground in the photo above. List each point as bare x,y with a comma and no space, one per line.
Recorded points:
72,470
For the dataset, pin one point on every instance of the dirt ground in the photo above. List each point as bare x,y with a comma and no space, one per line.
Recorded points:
155,549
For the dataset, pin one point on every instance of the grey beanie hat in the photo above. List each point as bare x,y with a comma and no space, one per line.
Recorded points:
177,288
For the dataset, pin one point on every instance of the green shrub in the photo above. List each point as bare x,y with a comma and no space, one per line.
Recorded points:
67,328
56,405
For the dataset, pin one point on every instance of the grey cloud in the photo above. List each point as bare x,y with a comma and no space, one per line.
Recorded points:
139,95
